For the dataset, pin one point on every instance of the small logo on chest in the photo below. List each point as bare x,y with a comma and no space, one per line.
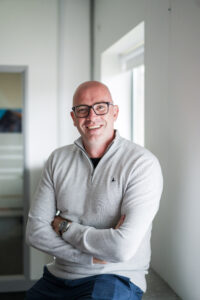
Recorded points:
113,179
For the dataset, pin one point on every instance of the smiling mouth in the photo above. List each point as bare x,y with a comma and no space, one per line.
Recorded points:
93,127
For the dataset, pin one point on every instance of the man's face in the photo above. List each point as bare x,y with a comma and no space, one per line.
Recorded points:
95,127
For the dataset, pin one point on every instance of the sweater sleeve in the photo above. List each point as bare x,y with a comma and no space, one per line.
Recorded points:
139,205
39,232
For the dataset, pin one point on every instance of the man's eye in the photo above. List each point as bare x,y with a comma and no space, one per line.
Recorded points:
82,110
100,107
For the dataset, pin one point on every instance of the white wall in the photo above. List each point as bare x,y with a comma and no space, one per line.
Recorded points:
179,219
51,38
74,60
172,109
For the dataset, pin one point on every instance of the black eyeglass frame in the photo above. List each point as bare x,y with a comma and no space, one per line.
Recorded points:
92,106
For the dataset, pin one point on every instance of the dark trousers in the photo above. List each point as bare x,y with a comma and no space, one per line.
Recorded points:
98,287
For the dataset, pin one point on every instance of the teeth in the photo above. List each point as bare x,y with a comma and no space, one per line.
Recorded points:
93,127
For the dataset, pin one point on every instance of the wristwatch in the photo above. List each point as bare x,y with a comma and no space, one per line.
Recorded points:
64,226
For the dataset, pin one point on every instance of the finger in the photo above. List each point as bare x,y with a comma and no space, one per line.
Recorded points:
98,261
121,221
123,217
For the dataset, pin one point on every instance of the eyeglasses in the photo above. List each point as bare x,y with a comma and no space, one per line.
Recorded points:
83,111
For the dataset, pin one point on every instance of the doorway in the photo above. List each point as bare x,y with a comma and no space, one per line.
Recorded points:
14,271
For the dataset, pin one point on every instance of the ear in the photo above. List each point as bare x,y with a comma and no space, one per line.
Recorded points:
73,118
115,112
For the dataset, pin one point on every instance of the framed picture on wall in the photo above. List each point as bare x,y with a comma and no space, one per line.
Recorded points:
10,120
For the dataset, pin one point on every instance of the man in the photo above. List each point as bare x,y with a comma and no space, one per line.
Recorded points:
107,190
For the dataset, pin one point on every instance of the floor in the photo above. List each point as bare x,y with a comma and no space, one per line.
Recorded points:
157,290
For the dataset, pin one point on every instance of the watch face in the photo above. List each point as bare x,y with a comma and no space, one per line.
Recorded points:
61,226
65,223
65,226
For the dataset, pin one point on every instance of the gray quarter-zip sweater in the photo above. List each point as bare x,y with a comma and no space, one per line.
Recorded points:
127,181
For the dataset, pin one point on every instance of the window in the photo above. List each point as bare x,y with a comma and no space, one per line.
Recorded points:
123,71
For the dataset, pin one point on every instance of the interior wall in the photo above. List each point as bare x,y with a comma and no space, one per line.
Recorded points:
176,254
172,124
73,61
52,39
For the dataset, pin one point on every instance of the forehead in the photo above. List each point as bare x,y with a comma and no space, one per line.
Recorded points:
91,95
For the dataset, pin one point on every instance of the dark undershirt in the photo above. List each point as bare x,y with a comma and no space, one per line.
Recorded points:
95,161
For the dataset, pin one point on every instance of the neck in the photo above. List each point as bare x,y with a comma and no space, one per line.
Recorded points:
97,148
95,152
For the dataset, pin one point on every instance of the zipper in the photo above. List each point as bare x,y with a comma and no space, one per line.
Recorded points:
90,163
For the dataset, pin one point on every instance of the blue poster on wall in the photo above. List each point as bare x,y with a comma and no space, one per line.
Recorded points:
10,120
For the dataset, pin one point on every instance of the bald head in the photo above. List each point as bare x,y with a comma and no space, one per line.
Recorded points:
88,86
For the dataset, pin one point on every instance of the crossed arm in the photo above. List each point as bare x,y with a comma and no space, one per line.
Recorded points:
42,232
39,231
58,219
87,245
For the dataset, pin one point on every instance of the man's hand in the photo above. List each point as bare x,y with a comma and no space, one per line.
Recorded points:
99,261
120,222
56,222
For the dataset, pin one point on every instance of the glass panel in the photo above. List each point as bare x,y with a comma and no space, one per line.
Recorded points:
11,174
